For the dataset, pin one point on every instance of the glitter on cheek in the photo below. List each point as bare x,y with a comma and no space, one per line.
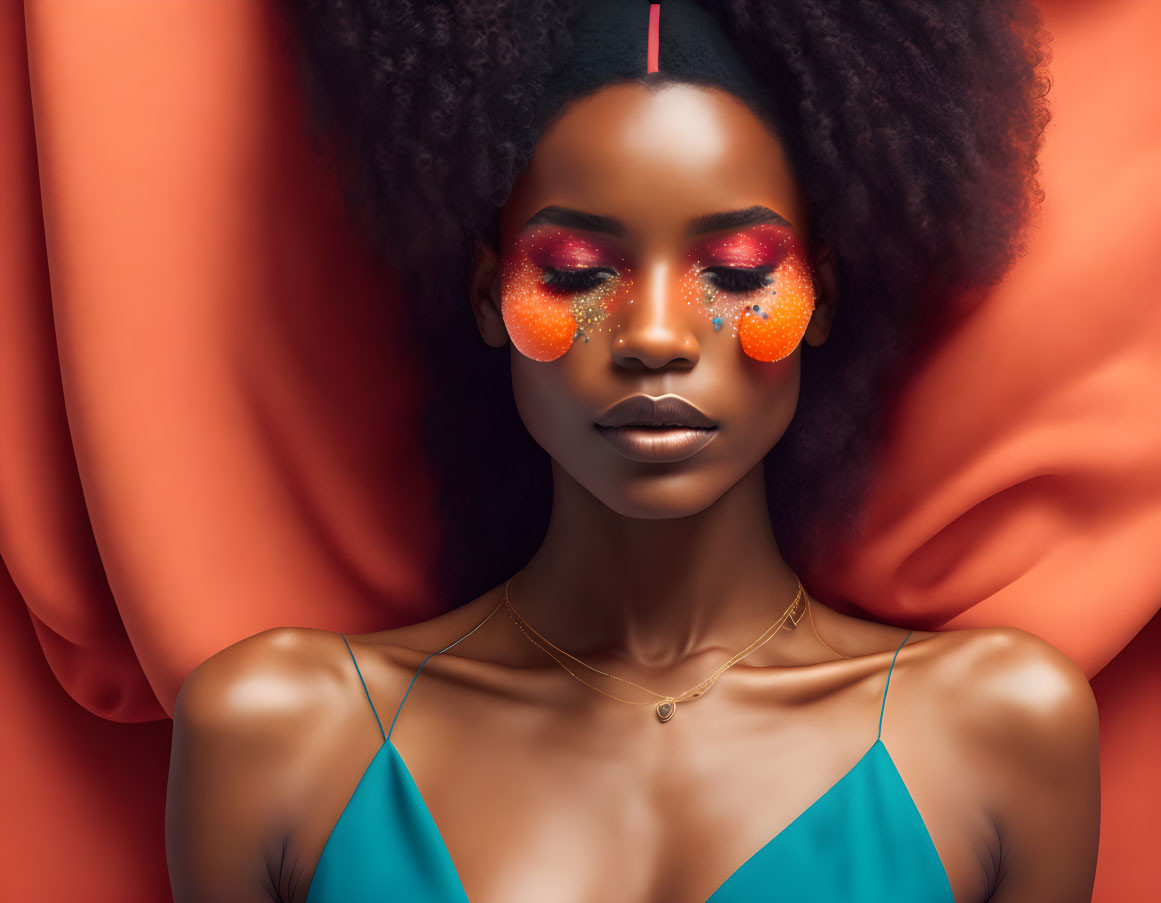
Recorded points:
542,322
771,331
540,325
770,320
722,308
590,309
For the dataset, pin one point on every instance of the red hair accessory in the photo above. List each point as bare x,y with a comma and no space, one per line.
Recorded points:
654,37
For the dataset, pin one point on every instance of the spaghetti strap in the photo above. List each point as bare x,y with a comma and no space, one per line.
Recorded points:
386,735
409,686
883,705
414,676
365,690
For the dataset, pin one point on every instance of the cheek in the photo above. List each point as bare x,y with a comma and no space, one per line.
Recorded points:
770,329
554,402
769,321
542,322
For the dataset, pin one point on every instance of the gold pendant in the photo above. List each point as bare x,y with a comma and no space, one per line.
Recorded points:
665,709
793,620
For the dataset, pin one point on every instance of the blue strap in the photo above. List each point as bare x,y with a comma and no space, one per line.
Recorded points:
424,662
409,686
365,690
889,670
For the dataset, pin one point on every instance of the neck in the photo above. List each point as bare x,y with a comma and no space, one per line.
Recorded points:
654,591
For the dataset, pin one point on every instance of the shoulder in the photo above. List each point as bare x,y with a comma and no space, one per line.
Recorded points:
261,729
1011,736
285,680
251,725
284,703
269,734
1023,731
274,678
1009,686
1025,750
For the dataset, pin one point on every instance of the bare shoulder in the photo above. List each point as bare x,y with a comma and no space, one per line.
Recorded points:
286,680
270,736
272,681
246,722
270,710
268,733
1010,687
1023,740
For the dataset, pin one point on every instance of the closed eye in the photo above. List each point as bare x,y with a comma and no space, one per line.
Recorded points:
581,280
739,279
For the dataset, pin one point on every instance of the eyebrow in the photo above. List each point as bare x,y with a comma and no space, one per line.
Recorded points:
608,225
736,219
578,219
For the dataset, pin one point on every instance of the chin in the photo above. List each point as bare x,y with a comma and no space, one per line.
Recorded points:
656,494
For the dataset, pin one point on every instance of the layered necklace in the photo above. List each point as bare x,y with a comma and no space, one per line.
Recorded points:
664,704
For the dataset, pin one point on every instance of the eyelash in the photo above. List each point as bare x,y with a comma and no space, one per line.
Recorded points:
576,280
738,280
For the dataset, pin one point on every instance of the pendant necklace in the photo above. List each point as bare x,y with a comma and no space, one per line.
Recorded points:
666,705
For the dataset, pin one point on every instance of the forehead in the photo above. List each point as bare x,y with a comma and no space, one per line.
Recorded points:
656,158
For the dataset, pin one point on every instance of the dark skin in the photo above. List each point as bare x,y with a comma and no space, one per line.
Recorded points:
546,790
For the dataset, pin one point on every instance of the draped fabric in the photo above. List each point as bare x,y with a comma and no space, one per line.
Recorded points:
208,409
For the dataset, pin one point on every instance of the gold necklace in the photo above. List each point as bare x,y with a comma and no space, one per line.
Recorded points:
814,630
667,706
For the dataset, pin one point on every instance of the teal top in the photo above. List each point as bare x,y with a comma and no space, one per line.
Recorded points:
862,841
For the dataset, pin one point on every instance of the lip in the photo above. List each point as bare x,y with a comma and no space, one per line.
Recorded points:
656,430
644,410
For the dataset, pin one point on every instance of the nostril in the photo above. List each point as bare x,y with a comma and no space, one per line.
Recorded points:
655,348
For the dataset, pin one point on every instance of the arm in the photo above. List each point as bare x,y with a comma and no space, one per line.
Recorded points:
239,725
1042,727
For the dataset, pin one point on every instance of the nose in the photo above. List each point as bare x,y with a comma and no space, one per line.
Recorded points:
656,330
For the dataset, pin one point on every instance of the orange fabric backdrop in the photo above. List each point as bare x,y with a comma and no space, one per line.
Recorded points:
206,407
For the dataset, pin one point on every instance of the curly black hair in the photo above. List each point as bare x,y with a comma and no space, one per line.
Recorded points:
913,128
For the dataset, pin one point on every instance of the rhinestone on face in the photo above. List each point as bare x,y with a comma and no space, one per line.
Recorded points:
666,709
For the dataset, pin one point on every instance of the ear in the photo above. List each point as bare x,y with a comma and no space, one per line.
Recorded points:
826,296
485,294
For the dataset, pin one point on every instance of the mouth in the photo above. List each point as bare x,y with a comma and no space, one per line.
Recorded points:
656,430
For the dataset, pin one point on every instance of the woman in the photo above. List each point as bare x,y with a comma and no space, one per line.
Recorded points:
664,203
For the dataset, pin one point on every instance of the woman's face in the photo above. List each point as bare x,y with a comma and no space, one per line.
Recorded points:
655,278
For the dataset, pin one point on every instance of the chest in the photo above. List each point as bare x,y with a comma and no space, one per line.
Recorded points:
716,818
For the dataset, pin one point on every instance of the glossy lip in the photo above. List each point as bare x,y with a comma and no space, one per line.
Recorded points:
656,430
644,410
